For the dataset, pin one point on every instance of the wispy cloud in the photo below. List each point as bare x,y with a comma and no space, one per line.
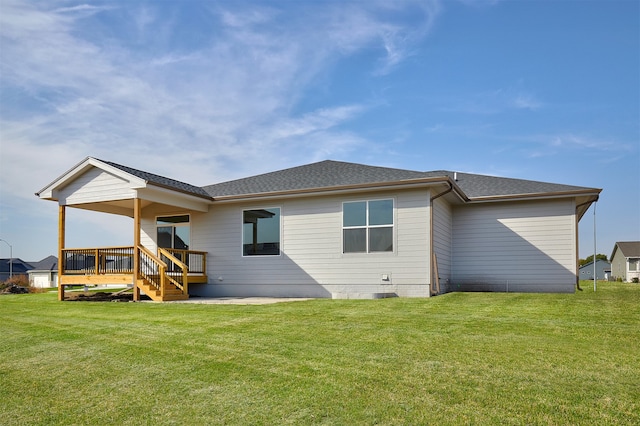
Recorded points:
588,146
353,28
84,9
225,105
526,101
493,102
571,141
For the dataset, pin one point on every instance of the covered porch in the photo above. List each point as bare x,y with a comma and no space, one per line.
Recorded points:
162,272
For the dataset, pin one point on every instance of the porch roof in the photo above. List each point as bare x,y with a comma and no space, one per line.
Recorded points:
109,187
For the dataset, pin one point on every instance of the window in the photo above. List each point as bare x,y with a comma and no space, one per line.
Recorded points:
261,232
173,232
367,226
633,264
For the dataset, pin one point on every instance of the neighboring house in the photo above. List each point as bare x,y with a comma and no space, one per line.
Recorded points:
44,274
14,266
327,229
625,261
603,270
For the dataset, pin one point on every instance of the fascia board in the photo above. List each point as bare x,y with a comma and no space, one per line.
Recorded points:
158,194
346,189
535,196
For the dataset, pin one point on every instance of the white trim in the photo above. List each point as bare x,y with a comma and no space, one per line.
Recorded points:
48,192
181,224
367,227
280,233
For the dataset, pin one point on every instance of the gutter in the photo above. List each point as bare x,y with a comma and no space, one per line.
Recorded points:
342,188
445,192
535,195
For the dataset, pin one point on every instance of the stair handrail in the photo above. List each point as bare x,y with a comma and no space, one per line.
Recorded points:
162,269
184,286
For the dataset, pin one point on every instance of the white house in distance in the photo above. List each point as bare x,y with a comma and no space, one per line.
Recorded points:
44,273
625,260
327,229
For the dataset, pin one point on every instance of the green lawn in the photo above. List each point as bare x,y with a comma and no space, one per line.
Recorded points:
461,358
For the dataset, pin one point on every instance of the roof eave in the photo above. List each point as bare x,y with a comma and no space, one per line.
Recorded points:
408,183
537,195
182,191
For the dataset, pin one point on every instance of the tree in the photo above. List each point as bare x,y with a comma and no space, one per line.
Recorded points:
590,258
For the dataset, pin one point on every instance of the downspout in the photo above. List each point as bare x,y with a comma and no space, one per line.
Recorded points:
577,245
431,265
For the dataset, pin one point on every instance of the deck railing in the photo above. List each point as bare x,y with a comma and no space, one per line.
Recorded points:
168,266
195,260
97,261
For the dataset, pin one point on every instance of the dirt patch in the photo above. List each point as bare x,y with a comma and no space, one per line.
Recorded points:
101,296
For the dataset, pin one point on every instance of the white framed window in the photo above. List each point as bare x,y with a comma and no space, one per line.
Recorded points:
633,264
173,232
261,232
367,226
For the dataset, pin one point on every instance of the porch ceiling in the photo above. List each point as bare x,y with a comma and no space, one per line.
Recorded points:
124,207
119,207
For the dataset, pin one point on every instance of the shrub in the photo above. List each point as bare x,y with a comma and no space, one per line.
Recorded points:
19,280
15,281
635,280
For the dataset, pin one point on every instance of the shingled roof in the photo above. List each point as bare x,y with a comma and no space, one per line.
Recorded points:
480,186
331,174
161,180
627,248
325,174
335,174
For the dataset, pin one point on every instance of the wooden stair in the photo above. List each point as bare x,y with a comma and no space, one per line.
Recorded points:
170,293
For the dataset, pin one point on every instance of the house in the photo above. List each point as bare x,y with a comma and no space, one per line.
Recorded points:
603,270
13,267
625,261
327,229
44,273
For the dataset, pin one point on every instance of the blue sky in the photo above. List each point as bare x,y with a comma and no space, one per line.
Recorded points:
206,91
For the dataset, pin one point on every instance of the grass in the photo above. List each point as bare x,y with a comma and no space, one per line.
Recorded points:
460,358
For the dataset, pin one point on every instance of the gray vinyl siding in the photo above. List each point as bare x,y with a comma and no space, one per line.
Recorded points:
312,263
442,234
94,186
519,246
619,266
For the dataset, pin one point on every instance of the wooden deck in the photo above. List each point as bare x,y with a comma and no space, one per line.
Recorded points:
162,277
